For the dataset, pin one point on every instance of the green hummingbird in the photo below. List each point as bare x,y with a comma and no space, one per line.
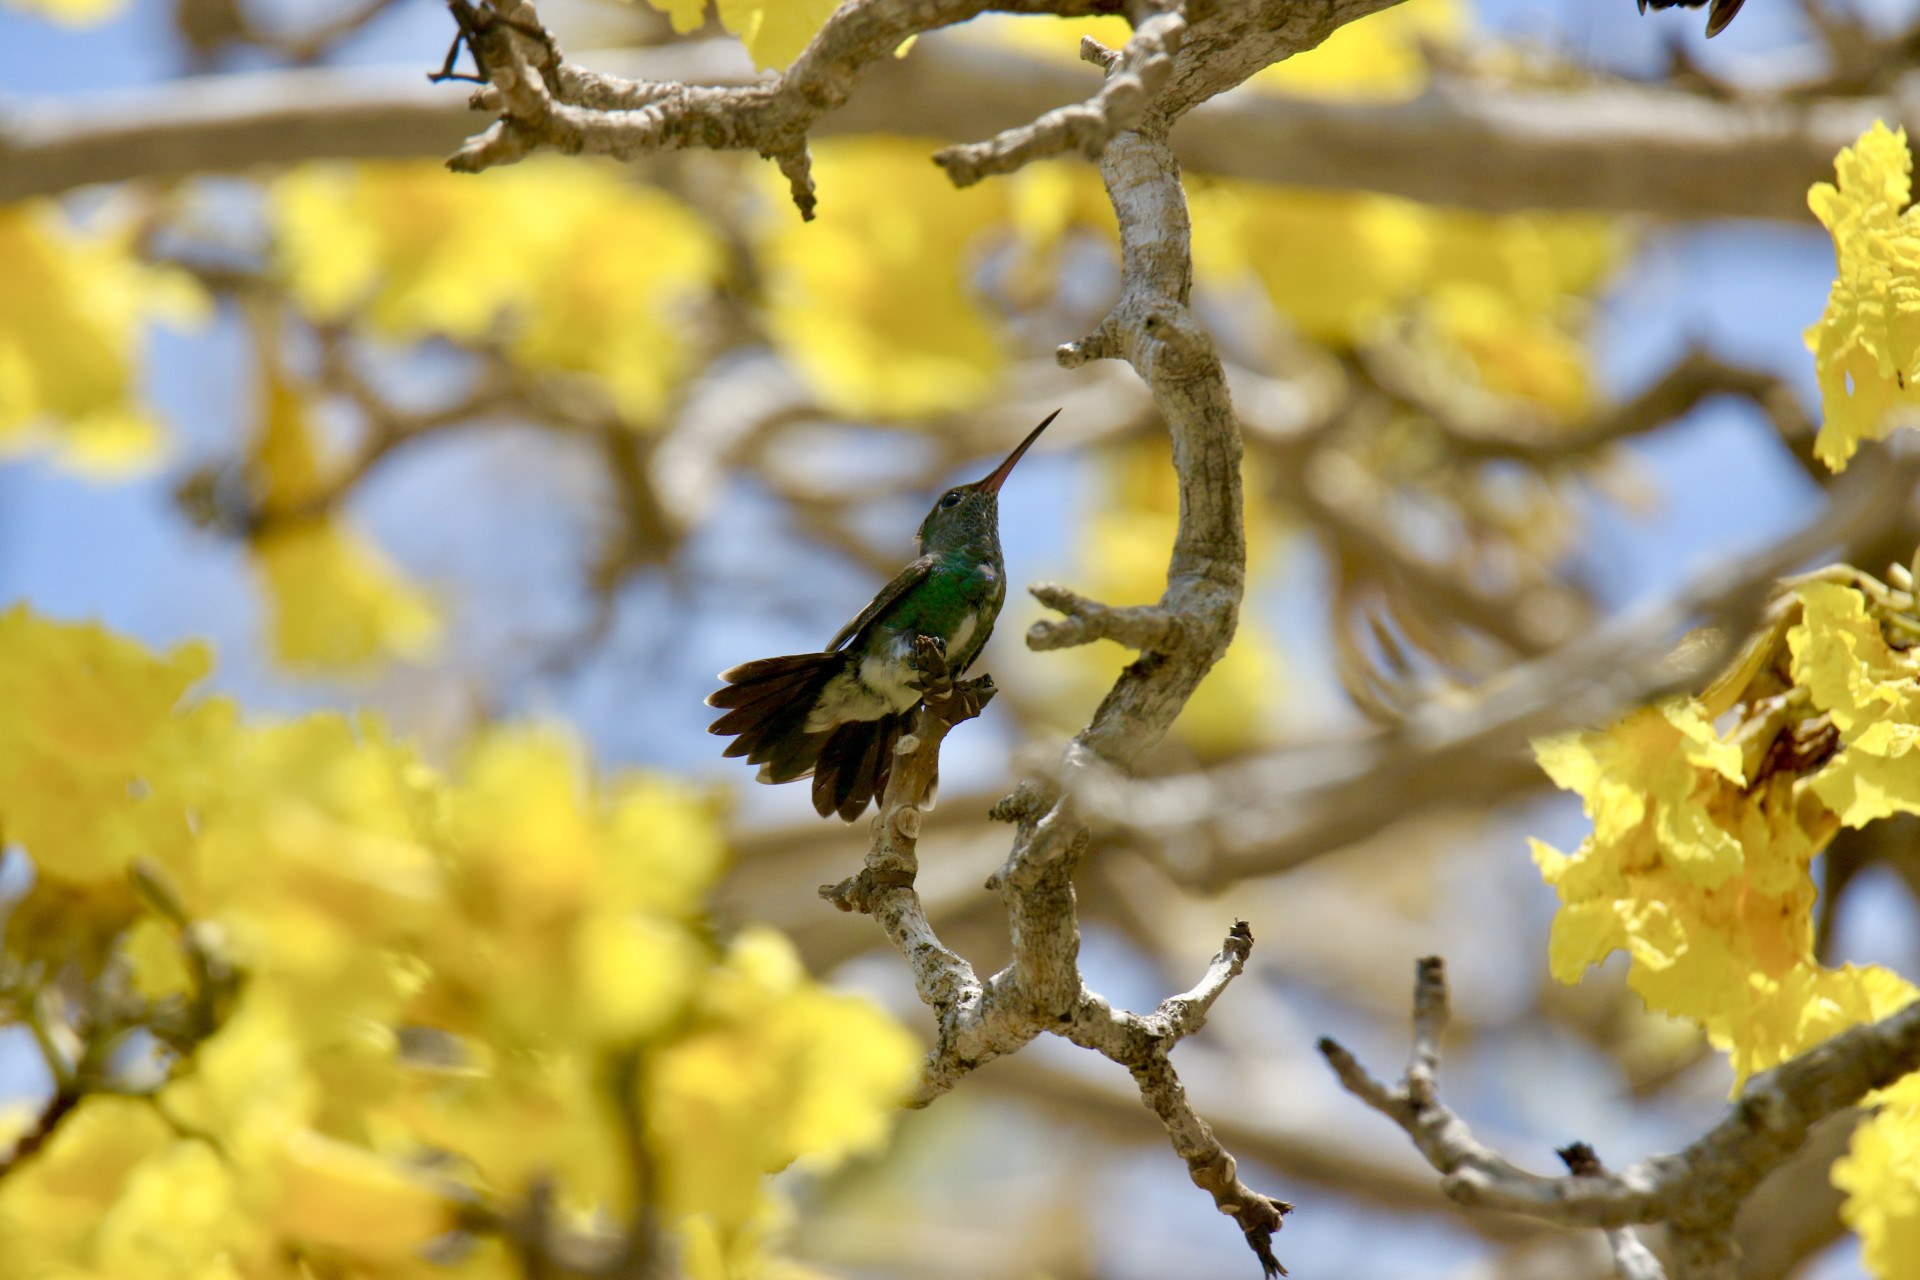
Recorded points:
837,714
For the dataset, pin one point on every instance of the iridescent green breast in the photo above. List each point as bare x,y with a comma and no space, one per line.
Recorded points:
957,602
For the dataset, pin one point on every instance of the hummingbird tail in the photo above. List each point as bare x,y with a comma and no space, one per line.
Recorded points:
766,705
854,764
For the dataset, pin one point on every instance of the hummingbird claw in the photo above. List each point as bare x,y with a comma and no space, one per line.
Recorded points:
929,661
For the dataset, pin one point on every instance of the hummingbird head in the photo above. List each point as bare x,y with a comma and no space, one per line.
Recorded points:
969,514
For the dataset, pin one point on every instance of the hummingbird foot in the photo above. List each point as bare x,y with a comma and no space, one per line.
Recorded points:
929,663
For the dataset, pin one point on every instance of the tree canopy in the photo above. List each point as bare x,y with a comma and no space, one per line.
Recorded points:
474,409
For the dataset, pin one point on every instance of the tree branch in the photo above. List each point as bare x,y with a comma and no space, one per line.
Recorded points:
1696,1192
547,102
1631,1259
1134,74
1147,628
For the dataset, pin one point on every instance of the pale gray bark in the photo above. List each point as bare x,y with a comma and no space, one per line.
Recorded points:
1696,1193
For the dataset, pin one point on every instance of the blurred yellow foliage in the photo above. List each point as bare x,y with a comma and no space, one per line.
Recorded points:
1866,345
71,13
874,300
877,302
71,316
565,263
334,601
1380,58
447,987
1500,295
774,31
87,717
1701,874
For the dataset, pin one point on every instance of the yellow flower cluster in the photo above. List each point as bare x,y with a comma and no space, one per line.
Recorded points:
1698,861
1872,692
879,302
1500,298
1866,345
874,300
567,265
1702,878
1881,1175
71,317
446,990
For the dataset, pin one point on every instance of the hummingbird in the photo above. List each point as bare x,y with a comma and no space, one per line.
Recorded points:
1717,17
837,714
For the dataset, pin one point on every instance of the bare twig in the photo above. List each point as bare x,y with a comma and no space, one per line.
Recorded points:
1696,1192
546,102
1134,74
1631,1259
1148,628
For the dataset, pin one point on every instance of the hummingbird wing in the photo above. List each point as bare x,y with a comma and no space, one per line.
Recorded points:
904,581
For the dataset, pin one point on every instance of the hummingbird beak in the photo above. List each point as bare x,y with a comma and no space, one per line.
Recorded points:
993,482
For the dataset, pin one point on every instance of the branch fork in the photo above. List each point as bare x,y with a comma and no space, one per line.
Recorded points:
1134,74
1695,1192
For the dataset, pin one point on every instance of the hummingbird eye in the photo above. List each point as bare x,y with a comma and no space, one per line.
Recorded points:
952,498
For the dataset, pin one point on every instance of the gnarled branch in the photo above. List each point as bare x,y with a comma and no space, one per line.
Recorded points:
1696,1192
546,102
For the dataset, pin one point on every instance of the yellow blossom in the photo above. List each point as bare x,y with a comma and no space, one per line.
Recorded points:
1703,880
1872,692
71,317
1881,1175
1866,345
438,989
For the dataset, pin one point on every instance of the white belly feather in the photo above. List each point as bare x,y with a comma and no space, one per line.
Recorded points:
879,685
